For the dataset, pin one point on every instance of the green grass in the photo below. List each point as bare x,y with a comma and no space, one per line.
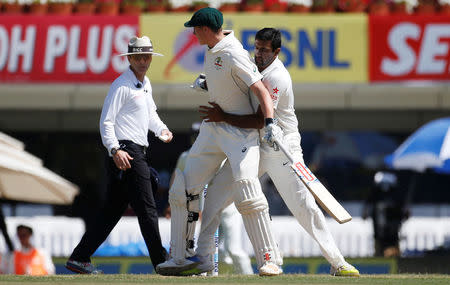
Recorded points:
312,263
227,279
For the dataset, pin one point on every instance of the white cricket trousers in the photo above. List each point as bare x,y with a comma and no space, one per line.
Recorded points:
298,198
215,142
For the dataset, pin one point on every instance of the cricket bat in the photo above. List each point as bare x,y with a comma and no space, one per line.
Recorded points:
320,193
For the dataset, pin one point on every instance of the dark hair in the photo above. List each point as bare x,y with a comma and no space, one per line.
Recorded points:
270,34
30,230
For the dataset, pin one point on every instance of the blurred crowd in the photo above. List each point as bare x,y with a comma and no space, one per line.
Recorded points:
26,259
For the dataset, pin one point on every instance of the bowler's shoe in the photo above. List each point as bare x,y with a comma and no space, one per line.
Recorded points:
172,268
206,264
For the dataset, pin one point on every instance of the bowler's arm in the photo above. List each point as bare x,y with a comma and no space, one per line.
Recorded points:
263,96
252,121
214,113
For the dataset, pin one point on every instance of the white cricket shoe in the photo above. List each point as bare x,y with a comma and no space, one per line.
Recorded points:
270,269
171,268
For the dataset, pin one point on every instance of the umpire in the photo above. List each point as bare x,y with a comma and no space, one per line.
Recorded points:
128,113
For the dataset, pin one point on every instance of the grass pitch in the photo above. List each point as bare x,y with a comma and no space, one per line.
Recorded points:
227,279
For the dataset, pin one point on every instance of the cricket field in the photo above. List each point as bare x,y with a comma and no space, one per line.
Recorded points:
409,279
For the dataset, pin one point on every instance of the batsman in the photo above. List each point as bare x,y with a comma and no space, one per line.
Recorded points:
231,75
295,194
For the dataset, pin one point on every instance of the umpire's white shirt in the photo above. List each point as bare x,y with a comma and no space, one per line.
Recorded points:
129,112
230,71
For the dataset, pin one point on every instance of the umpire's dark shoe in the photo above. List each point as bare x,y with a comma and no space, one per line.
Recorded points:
82,267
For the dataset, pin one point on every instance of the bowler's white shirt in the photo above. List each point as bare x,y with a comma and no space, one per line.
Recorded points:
230,72
129,112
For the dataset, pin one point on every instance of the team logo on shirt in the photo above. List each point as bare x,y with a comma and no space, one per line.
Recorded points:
218,62
274,94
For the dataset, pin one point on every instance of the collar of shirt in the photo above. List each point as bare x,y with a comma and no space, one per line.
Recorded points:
273,65
227,40
136,82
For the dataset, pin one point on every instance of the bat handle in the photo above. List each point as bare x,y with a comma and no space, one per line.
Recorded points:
284,149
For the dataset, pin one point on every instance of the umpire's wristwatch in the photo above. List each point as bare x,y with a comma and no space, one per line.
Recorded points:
114,151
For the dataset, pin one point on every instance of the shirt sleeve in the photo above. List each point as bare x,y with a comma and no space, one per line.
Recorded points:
277,86
155,124
111,108
244,68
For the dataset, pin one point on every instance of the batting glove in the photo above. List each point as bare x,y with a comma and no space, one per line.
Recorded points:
200,83
272,133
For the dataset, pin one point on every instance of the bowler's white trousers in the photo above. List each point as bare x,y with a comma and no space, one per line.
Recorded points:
294,193
215,142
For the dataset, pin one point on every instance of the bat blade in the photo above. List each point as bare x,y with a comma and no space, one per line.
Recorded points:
320,193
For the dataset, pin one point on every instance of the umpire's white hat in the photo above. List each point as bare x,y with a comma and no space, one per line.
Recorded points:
140,46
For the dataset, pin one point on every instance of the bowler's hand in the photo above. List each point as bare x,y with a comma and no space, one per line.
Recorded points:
122,160
212,114
167,135
200,83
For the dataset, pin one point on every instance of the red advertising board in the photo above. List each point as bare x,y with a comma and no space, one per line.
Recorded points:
64,48
409,48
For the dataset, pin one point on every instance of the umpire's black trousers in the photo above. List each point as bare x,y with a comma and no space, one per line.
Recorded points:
132,187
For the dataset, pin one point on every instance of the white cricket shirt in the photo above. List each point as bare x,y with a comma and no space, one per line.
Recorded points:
279,83
230,72
129,112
